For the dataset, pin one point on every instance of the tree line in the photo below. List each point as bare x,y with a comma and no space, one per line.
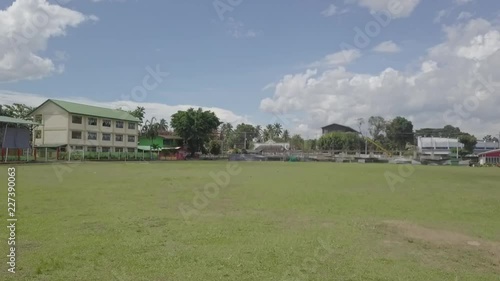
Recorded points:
203,131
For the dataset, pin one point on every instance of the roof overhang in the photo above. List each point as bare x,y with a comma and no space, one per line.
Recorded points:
10,120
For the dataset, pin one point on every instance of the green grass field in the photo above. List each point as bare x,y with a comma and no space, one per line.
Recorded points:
272,221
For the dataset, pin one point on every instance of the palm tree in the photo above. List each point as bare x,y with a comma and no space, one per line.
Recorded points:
163,126
278,129
286,135
226,131
151,129
270,132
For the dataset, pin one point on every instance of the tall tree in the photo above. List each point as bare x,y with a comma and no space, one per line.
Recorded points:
490,138
286,135
226,133
297,142
269,132
139,113
151,129
400,132
376,126
469,142
195,127
17,110
278,130
243,135
163,124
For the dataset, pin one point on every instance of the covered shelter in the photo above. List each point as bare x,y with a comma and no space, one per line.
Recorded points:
490,157
15,135
271,147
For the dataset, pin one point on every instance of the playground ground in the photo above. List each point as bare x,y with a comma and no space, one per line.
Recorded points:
219,220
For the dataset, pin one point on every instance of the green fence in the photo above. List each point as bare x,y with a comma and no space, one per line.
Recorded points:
110,156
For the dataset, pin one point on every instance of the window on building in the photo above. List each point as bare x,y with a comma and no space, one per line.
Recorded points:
92,121
76,135
38,118
91,149
77,147
119,138
106,123
38,134
118,149
106,137
76,119
105,149
130,149
131,126
119,124
92,136
131,139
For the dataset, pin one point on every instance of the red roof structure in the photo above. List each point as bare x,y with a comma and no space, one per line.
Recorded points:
491,153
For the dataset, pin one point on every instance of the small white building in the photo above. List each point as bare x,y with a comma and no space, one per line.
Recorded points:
74,126
271,145
430,146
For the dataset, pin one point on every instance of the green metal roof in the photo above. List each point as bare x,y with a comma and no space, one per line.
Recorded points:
7,119
89,110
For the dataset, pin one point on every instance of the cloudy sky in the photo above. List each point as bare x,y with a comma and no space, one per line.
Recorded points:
304,64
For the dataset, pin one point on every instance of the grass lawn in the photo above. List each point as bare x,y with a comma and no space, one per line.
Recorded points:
272,221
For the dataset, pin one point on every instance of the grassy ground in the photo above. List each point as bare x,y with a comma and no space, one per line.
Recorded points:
272,221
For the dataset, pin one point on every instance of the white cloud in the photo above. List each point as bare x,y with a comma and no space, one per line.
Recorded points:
445,90
398,8
238,30
344,57
441,14
25,29
387,47
464,16
463,2
157,110
330,11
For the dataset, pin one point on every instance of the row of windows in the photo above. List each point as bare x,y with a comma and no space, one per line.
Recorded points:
92,121
103,149
492,160
77,135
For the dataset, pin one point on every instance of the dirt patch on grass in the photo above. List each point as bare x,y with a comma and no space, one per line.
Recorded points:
442,239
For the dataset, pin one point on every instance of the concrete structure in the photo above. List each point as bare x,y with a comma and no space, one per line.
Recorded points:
442,146
337,128
73,126
271,147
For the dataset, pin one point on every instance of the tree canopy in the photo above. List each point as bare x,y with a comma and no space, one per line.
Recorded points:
195,126
400,132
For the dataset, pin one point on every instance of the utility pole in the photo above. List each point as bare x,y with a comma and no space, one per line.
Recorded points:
245,145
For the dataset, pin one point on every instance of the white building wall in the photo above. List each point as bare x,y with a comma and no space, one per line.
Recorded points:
54,127
58,127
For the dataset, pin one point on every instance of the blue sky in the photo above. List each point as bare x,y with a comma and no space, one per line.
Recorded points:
226,63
